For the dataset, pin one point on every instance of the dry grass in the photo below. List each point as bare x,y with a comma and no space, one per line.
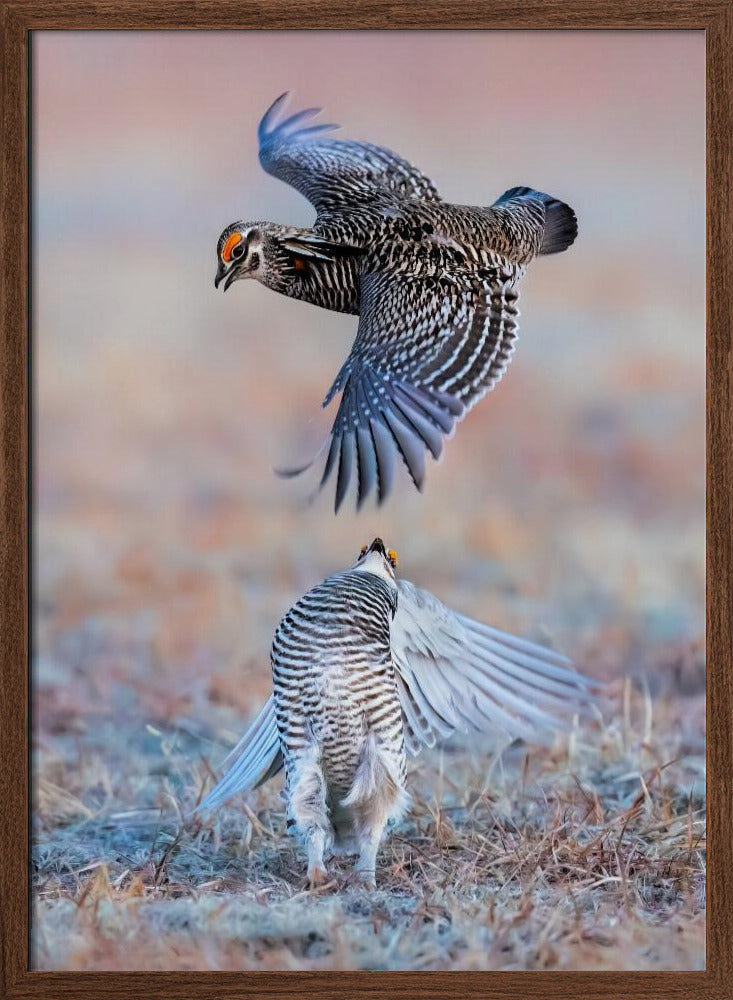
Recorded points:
586,855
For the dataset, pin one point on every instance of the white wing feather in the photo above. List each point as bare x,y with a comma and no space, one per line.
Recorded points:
255,759
454,673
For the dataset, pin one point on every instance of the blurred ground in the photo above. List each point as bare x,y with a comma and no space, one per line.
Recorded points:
590,856
569,507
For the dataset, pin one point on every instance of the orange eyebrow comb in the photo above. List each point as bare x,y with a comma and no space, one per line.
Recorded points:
226,254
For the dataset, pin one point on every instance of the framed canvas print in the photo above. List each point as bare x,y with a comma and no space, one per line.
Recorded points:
366,513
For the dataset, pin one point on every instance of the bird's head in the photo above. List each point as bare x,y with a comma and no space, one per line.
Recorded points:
240,252
375,558
266,251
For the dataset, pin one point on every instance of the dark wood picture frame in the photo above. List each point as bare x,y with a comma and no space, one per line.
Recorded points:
20,18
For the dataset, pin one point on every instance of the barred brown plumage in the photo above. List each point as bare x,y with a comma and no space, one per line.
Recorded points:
366,668
434,285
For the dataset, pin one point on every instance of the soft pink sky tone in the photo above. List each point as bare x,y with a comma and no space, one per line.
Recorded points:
163,406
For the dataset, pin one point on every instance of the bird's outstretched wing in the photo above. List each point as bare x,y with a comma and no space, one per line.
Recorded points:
455,674
254,760
333,173
426,350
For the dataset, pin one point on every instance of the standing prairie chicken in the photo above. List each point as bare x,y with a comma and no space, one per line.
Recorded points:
434,286
366,668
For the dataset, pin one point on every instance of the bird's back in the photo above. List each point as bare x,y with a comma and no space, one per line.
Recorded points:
514,230
333,675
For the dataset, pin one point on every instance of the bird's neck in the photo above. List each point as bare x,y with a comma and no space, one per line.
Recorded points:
303,273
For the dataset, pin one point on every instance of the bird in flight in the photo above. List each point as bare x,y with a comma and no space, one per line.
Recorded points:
435,286
367,667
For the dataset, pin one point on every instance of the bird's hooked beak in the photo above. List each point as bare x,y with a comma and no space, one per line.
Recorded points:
222,273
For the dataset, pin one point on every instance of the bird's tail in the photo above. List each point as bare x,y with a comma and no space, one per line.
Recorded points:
561,225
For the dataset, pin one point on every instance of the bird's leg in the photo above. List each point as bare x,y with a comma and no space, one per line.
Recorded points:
366,866
317,874
376,794
310,812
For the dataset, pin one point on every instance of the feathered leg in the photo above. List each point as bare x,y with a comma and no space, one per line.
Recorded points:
377,795
309,810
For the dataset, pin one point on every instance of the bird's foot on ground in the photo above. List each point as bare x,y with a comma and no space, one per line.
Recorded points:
317,877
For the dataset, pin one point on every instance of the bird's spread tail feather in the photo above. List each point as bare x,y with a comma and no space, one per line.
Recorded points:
561,227
561,224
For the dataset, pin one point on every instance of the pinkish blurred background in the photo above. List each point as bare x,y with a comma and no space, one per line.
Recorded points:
572,497
570,505
571,501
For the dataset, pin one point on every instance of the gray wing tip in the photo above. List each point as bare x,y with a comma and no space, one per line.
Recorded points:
263,129
407,422
290,472
373,426
271,130
293,471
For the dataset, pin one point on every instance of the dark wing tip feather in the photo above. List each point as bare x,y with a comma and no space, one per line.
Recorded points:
377,420
346,463
302,133
425,429
270,130
333,451
263,129
292,473
301,152
287,123
409,446
367,466
384,450
421,400
297,470
388,418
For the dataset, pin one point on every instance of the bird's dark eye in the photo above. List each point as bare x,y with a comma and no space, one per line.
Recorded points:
237,251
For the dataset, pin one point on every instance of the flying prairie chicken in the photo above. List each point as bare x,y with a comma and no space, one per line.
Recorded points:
434,286
365,668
